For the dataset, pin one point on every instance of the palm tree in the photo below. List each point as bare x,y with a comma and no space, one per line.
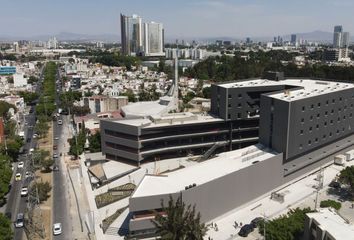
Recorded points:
179,222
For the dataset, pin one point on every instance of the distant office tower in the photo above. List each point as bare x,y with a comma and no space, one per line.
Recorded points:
52,43
153,39
341,42
131,34
248,40
345,40
337,36
293,39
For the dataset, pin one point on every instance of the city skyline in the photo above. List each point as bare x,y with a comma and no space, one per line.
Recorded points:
182,19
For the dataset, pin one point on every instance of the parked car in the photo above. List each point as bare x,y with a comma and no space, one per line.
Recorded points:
55,155
27,174
19,220
57,229
334,184
55,147
256,221
245,230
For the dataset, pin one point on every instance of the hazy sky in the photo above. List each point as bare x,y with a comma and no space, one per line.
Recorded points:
181,18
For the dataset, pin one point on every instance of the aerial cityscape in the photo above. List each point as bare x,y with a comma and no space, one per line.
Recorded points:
188,120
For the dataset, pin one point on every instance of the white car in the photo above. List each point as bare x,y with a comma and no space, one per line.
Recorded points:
19,220
24,192
31,150
56,229
35,135
20,165
27,174
56,138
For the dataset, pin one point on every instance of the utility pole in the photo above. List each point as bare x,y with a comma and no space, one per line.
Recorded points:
319,186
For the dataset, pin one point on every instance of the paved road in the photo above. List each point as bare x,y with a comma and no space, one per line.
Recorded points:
61,208
15,203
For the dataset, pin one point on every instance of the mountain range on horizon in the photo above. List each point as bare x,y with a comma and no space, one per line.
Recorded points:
318,36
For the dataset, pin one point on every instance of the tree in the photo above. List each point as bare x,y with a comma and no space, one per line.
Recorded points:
43,190
29,97
346,176
5,228
4,109
289,226
41,128
130,94
95,142
330,203
46,164
32,79
179,221
5,175
39,156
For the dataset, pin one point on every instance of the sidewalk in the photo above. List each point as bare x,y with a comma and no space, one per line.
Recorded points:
298,194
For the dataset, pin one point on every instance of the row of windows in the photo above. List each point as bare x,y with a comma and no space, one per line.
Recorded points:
324,138
239,95
333,101
326,114
325,124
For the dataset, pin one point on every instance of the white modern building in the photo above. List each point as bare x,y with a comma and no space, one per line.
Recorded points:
19,80
131,34
153,39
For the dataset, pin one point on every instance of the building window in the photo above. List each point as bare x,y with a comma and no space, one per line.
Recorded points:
316,140
229,116
332,111
311,118
229,96
238,115
344,117
331,122
300,146
240,95
324,136
325,123
340,99
318,115
312,106
302,120
301,132
239,105
351,115
343,129
338,119
318,104
333,100
327,102
330,134
317,126
310,129
337,131
229,105
310,142
303,108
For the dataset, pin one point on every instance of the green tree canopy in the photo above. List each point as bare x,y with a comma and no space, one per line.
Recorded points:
179,222
5,228
346,176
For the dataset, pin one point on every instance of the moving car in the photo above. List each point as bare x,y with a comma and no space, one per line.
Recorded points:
27,174
55,168
18,177
24,192
245,230
60,122
20,165
56,138
55,155
56,229
19,220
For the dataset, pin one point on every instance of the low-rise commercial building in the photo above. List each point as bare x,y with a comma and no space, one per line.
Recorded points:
327,224
99,104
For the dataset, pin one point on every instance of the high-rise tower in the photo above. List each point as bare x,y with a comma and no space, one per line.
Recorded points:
131,34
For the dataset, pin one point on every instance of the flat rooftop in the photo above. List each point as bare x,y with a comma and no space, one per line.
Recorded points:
224,164
169,120
327,219
308,87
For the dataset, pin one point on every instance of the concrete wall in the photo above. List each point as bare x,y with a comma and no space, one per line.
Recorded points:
220,196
